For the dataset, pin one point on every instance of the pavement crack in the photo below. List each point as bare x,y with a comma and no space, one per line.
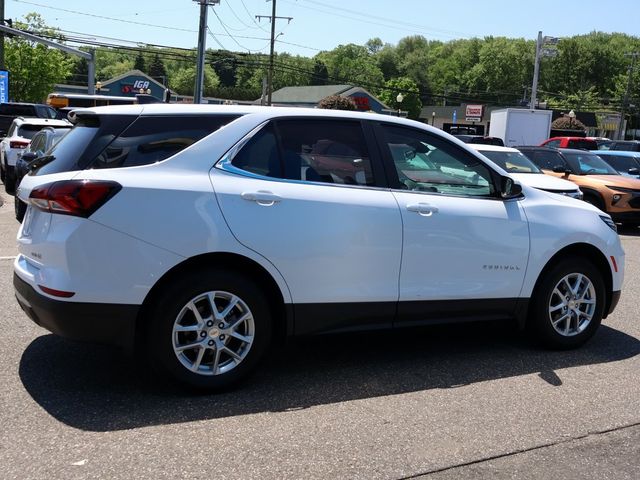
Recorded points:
523,450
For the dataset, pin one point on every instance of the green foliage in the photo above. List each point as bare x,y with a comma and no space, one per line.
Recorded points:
184,81
157,70
140,64
34,68
337,102
409,90
352,65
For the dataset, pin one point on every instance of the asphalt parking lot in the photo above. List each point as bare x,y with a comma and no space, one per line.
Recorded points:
460,401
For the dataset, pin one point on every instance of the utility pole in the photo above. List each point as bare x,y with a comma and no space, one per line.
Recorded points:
621,129
541,52
273,19
202,45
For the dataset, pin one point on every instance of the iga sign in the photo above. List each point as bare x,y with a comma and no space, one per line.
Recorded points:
473,113
135,87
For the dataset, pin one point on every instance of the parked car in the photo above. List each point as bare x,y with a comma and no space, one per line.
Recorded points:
625,145
602,142
18,138
584,143
209,253
625,163
11,110
480,140
600,183
526,172
39,145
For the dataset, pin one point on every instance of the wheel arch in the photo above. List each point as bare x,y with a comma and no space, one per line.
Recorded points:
592,192
590,253
282,313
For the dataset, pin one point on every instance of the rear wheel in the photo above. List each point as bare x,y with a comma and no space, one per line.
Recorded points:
568,304
209,329
20,209
9,183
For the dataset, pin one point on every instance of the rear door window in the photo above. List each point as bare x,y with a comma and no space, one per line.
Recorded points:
152,139
548,160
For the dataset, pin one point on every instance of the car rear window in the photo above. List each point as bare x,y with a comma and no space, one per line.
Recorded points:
583,144
114,141
29,131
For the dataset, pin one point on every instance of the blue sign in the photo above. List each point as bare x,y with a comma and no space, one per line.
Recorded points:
455,116
4,86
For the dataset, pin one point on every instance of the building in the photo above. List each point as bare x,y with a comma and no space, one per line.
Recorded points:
311,96
126,85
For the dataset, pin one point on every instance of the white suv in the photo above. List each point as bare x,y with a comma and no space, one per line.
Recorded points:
20,133
293,222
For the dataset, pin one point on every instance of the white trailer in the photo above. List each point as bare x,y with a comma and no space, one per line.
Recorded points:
519,126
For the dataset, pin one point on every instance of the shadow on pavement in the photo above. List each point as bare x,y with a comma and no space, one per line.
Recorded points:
99,389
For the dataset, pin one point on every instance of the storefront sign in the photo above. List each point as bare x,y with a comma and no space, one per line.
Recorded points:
4,86
474,112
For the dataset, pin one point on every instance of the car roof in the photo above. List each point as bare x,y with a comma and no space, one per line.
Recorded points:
572,138
577,150
492,148
620,153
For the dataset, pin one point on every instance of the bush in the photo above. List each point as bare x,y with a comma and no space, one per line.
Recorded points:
336,102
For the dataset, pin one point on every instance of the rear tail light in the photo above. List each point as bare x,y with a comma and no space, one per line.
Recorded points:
80,198
18,144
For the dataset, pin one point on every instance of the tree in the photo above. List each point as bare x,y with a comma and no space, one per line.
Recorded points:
352,64
320,75
337,102
184,81
157,70
140,63
411,96
35,68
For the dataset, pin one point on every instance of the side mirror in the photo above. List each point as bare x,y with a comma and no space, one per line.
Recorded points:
634,171
29,156
509,188
560,169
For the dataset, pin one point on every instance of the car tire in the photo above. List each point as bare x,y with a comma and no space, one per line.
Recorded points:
20,208
568,304
208,350
9,183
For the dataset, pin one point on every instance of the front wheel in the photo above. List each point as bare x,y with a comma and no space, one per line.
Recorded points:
209,329
568,304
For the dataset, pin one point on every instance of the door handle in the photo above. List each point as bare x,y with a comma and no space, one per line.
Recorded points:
423,209
261,197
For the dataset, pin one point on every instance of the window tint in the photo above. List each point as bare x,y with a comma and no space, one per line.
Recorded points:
328,151
553,144
548,160
426,163
583,144
620,162
260,154
17,110
153,139
37,143
29,131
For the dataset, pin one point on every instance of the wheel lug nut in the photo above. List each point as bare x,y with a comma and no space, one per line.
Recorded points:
209,323
223,336
211,343
203,334
221,325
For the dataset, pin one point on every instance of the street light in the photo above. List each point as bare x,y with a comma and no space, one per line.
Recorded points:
399,99
98,86
433,119
572,115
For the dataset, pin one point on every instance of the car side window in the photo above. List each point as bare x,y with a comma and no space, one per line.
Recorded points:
548,160
328,151
260,154
553,144
155,138
424,162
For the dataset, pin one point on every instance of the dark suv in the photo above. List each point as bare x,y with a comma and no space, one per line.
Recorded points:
625,145
9,111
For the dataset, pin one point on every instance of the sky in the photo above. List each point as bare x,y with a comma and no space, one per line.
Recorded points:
318,25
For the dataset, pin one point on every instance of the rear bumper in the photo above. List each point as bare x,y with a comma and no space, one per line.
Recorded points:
111,324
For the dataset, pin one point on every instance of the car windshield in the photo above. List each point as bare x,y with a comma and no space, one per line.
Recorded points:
512,162
589,164
621,163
